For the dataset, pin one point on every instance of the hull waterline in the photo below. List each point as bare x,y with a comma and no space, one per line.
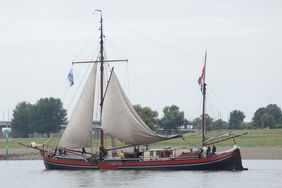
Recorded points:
226,161
68,164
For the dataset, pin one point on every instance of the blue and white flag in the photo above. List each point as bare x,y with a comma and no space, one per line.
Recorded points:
70,77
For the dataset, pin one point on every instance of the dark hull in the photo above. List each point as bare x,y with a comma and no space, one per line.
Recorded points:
69,164
228,161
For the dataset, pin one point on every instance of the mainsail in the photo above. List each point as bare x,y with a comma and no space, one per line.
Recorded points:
120,120
78,131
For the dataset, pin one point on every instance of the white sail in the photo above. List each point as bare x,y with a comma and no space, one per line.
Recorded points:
119,119
78,131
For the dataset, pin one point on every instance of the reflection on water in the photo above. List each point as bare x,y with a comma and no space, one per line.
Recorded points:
261,173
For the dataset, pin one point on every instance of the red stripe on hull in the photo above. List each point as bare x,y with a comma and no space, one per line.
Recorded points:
227,161
51,163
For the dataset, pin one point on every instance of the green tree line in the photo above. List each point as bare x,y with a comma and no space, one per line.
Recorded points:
44,117
265,117
48,114
172,118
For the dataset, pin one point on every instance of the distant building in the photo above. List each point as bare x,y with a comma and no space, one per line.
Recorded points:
180,130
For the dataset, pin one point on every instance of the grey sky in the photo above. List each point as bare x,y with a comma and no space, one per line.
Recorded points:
164,42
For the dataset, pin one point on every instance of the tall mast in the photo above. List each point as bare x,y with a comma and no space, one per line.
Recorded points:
101,60
204,128
101,74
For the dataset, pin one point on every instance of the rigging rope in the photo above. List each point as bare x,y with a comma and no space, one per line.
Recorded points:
79,85
114,47
225,106
145,89
127,28
77,78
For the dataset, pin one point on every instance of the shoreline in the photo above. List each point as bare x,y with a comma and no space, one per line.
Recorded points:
254,153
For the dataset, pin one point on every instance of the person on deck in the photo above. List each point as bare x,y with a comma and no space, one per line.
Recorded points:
213,149
121,154
102,152
209,151
146,147
205,149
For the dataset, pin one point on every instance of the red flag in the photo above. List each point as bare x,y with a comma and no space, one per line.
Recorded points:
202,77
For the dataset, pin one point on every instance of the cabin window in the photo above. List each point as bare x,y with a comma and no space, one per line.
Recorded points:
151,153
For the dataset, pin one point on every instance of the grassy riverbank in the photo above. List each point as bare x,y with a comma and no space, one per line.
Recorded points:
254,138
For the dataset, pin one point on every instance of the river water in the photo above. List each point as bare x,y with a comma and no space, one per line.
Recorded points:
261,174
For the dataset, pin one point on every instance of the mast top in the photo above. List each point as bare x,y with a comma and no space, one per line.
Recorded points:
98,10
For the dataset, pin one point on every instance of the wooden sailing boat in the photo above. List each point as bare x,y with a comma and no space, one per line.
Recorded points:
120,120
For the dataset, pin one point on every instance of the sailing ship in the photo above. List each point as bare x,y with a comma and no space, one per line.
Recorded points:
120,120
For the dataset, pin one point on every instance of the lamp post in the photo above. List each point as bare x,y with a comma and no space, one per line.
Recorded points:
5,132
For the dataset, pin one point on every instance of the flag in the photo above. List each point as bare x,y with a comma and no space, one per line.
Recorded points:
202,77
70,77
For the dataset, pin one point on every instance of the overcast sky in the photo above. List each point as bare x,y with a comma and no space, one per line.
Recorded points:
164,42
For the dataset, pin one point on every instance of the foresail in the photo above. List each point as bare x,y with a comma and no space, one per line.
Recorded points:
119,119
78,131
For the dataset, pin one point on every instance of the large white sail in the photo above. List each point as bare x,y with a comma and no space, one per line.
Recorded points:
78,131
119,119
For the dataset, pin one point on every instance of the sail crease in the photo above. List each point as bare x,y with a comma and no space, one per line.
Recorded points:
120,120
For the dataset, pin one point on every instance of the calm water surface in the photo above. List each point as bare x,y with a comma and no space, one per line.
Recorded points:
261,173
